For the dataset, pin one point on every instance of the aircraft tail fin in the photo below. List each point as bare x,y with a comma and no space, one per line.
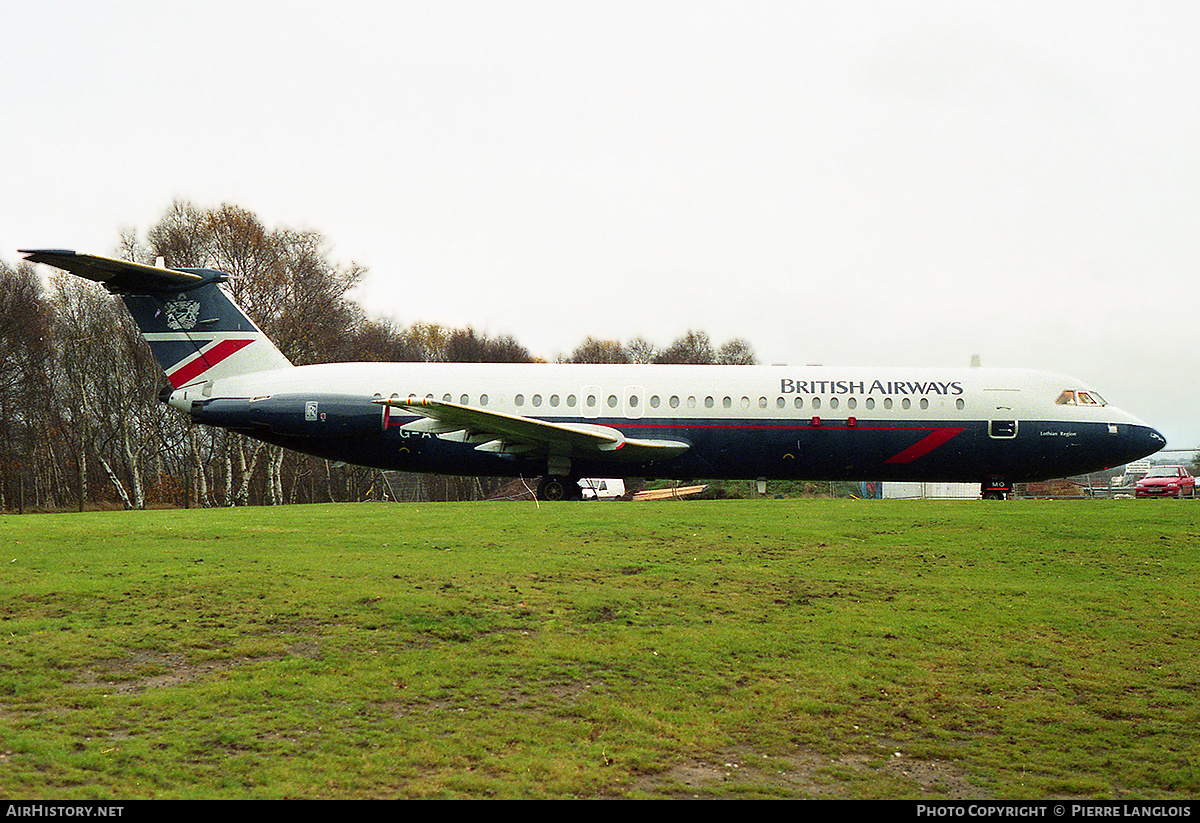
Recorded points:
195,330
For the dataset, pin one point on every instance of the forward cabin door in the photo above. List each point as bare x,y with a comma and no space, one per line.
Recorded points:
1003,410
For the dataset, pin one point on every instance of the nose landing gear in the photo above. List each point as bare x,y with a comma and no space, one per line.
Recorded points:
996,488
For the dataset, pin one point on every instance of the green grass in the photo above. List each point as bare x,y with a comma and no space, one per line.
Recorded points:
760,648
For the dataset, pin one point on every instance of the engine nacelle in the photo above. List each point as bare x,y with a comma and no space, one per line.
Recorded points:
295,415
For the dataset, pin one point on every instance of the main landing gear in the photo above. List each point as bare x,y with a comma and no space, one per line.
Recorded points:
554,487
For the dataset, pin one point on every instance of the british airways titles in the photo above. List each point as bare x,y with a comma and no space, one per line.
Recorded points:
907,387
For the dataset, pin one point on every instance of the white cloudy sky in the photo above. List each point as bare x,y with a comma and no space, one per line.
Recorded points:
849,182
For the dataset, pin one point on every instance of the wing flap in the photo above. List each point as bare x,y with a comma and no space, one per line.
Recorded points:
512,434
443,417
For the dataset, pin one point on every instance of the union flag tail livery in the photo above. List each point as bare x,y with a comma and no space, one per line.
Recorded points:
564,421
196,332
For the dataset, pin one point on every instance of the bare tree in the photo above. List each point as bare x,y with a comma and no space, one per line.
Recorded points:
694,347
736,352
468,346
599,351
24,382
640,350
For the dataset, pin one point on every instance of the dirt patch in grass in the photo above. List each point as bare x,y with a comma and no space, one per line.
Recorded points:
807,774
144,670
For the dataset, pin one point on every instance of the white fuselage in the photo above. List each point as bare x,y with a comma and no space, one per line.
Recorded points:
744,393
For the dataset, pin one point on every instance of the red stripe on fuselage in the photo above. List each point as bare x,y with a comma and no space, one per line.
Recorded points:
935,438
205,361
924,446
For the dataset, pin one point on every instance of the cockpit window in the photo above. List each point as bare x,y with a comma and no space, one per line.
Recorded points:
1070,397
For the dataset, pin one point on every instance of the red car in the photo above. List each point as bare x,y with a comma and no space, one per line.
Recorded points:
1167,481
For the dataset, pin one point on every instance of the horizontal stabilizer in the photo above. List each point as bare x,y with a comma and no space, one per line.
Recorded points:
118,276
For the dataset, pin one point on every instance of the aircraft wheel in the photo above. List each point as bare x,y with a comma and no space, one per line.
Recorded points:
558,488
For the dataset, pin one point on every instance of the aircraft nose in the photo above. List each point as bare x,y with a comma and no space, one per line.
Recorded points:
1145,441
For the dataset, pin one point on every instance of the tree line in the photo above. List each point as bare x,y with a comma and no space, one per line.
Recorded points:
80,422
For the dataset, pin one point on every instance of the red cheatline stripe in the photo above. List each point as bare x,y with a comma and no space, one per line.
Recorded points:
924,446
205,361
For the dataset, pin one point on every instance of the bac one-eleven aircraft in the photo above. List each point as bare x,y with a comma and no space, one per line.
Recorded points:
562,422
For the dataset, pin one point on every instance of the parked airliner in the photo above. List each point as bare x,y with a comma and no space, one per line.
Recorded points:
562,422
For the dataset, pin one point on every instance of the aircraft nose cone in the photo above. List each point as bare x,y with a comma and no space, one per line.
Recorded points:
1146,441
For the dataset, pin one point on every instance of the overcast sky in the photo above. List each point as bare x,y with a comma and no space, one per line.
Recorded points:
848,183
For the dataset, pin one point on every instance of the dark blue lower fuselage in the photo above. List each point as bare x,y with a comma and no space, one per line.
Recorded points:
355,430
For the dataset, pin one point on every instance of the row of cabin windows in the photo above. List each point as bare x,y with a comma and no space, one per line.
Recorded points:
613,401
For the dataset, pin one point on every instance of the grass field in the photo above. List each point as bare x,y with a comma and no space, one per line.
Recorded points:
761,648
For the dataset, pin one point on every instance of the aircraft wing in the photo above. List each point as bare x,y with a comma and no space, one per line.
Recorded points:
515,434
118,276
